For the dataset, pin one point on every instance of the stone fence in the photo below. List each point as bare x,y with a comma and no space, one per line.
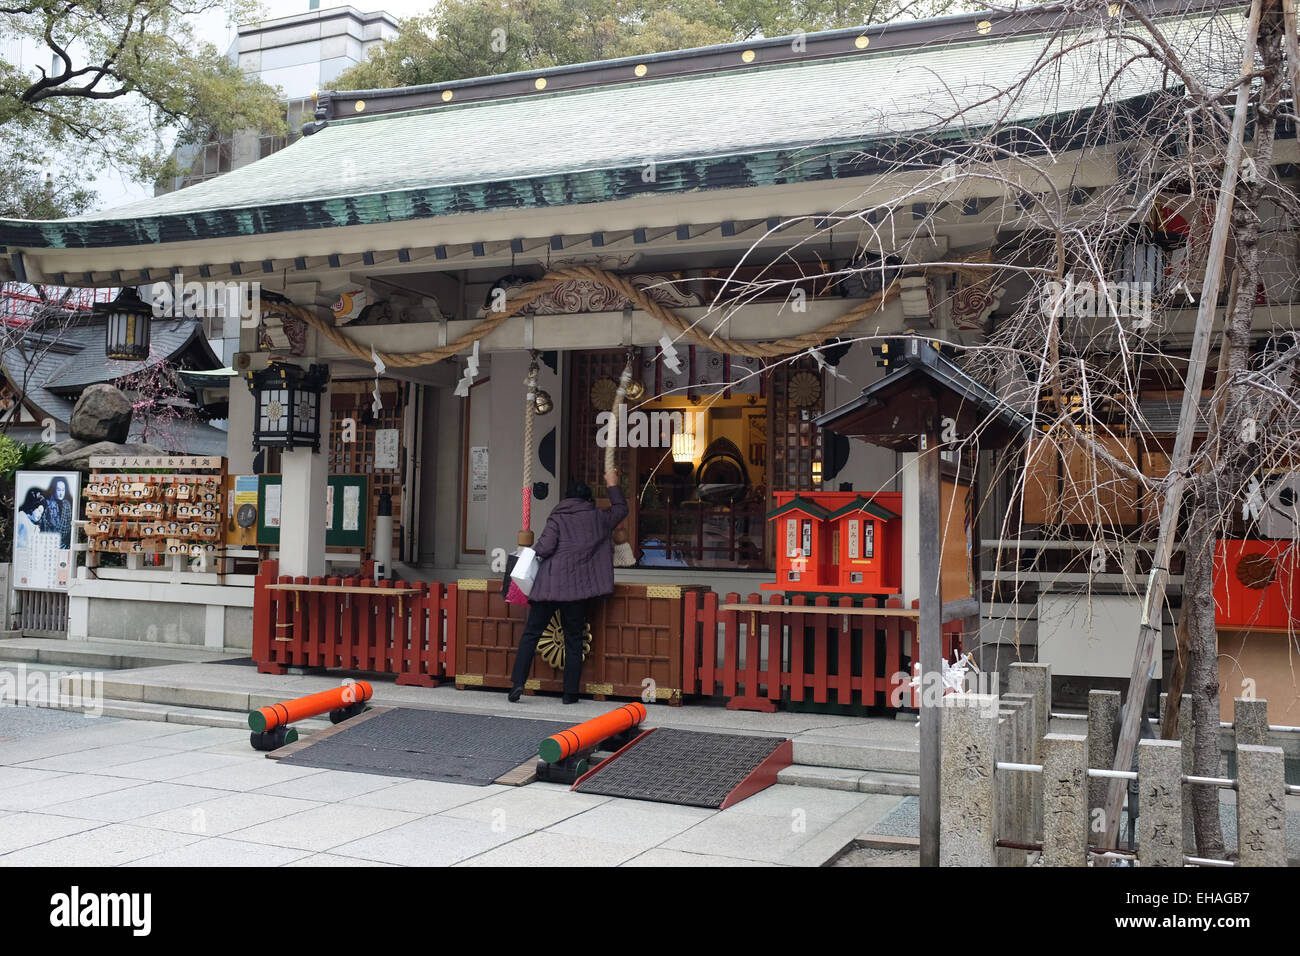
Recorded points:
1012,793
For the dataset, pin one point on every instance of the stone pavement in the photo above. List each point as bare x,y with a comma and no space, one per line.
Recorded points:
78,791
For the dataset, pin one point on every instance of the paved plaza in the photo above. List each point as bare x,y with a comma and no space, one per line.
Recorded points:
79,791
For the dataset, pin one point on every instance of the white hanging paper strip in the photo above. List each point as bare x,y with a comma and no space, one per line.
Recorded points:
471,371
671,359
380,367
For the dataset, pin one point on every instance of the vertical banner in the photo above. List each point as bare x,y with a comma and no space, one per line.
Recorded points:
45,505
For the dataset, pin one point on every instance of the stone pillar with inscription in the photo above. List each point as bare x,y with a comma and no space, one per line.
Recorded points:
1022,823
1103,709
1028,790
967,802
1261,806
1065,800
1036,681
1186,736
1005,782
1250,721
1160,797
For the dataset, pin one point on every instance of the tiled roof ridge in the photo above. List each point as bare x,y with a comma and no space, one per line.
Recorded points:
877,40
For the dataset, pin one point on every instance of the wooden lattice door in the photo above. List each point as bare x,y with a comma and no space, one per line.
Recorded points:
798,393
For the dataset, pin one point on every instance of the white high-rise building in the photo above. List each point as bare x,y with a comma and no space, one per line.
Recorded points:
300,54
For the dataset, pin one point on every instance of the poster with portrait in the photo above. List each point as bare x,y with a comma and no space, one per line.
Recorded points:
45,505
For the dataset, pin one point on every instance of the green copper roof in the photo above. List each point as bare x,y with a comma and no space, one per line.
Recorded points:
803,505
774,124
863,505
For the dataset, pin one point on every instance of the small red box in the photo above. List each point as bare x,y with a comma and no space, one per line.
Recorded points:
838,542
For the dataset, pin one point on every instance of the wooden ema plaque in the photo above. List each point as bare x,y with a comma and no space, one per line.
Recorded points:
129,512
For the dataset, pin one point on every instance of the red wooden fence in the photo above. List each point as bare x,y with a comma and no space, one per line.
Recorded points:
393,627
754,655
755,658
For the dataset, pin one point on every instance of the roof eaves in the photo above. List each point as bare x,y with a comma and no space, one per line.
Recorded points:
760,167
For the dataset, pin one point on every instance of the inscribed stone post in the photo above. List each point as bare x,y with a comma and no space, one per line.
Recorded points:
1160,797
1186,736
1019,783
966,780
1261,806
1005,784
1103,707
1065,800
1250,721
1030,784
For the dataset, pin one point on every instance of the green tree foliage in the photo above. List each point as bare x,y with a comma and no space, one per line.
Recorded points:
465,38
111,84
15,456
26,194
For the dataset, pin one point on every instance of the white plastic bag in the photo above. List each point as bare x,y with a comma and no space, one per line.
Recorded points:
524,573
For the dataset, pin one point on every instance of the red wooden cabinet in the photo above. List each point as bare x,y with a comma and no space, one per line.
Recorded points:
838,542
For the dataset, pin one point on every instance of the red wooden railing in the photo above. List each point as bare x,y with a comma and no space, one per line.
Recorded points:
393,627
752,654
757,657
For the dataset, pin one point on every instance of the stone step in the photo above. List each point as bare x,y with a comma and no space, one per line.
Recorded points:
102,655
855,755
838,778
139,710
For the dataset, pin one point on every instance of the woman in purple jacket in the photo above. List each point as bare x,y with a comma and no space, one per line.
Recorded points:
577,564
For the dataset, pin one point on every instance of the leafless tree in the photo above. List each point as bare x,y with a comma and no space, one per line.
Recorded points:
1100,276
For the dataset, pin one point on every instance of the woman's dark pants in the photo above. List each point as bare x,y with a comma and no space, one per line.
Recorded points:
573,616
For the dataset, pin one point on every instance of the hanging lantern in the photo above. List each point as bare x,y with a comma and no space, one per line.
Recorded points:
129,320
288,405
683,447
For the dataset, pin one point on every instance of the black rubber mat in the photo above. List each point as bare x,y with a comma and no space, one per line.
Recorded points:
430,745
681,766
239,661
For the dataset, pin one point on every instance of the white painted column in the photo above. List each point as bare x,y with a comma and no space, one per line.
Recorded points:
909,484
304,479
239,439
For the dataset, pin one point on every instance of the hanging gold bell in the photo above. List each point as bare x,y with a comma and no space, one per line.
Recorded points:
542,402
635,391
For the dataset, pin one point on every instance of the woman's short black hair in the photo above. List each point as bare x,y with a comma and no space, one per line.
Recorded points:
578,489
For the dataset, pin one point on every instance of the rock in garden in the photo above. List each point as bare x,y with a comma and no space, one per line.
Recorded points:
102,413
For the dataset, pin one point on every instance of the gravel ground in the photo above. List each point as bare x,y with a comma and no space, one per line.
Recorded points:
33,721
867,856
903,820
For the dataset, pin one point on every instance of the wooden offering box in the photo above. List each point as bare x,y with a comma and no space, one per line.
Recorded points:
838,542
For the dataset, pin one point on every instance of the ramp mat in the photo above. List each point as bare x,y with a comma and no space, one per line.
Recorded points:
472,749
690,768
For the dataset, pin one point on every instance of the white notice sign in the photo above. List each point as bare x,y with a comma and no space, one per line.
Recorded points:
386,441
272,506
478,473
351,507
